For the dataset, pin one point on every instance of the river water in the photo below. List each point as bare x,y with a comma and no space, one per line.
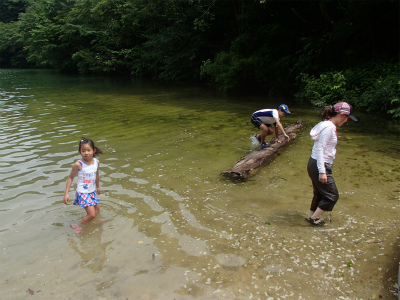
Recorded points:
170,226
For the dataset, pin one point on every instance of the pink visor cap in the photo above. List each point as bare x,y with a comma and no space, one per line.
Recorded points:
346,109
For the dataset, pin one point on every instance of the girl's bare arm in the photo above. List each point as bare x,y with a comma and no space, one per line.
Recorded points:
74,171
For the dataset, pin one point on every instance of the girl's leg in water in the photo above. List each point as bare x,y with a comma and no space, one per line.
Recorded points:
97,209
90,214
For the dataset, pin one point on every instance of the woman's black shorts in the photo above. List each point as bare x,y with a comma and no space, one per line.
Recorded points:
325,194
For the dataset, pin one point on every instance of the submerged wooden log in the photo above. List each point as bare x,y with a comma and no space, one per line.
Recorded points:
249,165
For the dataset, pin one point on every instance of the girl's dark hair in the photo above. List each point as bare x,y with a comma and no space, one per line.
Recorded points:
328,113
91,144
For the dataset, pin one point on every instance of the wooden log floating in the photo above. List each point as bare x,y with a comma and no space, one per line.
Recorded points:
250,164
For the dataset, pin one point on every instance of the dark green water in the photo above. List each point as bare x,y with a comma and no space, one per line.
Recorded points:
170,226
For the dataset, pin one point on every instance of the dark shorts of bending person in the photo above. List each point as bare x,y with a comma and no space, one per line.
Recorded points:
257,122
325,194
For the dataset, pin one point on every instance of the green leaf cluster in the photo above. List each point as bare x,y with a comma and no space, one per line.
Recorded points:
157,39
324,90
11,47
372,88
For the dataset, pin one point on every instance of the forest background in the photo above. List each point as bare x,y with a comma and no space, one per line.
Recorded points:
320,52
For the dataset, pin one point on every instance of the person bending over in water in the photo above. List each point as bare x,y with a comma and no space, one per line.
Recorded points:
320,163
87,169
264,118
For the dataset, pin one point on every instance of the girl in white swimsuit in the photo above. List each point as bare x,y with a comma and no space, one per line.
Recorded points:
87,169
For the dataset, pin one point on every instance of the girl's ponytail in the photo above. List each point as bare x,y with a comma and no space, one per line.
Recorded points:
98,151
328,113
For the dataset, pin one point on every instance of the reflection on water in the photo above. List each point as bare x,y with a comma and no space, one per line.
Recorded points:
91,250
170,226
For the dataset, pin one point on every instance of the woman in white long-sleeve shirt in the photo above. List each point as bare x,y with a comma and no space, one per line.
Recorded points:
320,164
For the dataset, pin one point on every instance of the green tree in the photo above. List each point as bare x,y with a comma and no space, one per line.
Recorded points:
107,31
172,40
11,47
42,28
10,10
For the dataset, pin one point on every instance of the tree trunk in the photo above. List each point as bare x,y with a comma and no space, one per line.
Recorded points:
250,164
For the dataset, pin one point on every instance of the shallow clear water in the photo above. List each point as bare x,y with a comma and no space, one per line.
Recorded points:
170,226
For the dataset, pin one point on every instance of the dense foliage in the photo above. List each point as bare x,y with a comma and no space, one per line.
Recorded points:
322,51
